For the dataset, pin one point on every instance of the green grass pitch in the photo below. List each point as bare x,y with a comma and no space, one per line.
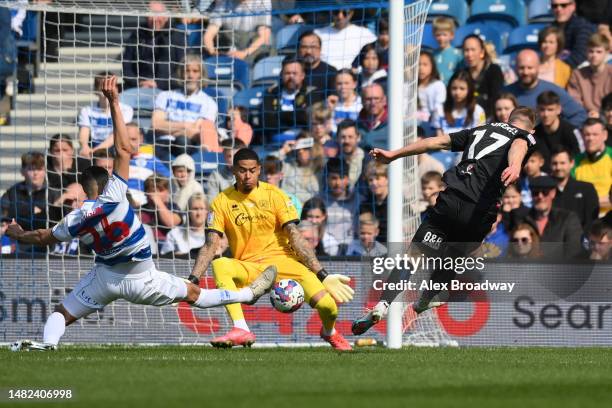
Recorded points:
114,377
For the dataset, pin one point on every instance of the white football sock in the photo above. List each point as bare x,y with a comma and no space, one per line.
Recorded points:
216,297
241,324
54,328
328,332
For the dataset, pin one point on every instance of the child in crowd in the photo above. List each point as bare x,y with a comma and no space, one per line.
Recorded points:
431,185
346,103
504,105
447,57
367,245
432,92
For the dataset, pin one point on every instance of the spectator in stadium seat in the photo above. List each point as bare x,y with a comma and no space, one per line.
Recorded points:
460,110
529,87
372,122
606,113
345,102
381,46
342,41
432,92
160,212
375,201
371,67
487,76
595,164
183,182
285,105
557,227
512,200
315,211
28,201
95,122
431,185
573,195
447,57
504,105
552,130
247,37
319,74
310,233
532,169
341,202
576,31
143,164
152,52
320,123
301,170
524,242
367,244
590,84
238,124
104,158
552,68
7,245
349,138
62,164
222,177
181,240
273,174
185,118
600,241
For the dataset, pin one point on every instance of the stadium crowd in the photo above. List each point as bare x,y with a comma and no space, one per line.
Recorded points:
320,115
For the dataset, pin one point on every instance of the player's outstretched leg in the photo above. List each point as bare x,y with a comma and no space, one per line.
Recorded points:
53,331
238,336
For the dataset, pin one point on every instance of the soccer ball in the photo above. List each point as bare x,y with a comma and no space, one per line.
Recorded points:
287,296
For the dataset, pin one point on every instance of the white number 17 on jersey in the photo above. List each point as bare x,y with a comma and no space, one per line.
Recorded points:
501,140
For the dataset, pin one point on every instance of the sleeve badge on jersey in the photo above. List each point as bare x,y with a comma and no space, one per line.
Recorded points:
210,219
289,203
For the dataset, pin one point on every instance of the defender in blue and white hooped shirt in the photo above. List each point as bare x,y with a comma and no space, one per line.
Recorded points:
123,266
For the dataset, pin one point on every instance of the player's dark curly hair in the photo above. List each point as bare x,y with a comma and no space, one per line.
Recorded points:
93,179
245,154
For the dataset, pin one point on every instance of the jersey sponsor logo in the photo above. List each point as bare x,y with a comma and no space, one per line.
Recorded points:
263,204
243,218
182,105
432,240
235,207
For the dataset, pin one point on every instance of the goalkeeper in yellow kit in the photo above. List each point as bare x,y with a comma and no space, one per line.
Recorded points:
259,221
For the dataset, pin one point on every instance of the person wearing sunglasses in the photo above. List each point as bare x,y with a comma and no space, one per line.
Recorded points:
558,228
576,30
524,242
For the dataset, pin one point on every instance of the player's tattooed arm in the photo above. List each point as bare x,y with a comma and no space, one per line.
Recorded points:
303,252
205,256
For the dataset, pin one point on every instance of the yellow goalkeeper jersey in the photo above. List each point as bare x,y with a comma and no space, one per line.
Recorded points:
253,223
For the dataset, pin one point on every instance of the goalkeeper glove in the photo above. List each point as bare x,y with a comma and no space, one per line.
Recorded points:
337,286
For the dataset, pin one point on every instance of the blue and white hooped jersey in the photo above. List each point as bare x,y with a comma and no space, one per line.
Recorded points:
108,226
100,123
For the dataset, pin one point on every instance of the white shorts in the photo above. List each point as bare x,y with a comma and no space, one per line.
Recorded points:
101,286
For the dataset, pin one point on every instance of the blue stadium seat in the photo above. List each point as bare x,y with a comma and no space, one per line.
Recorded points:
207,162
192,33
251,98
538,11
228,71
429,41
267,70
485,32
503,14
456,9
221,95
288,36
524,37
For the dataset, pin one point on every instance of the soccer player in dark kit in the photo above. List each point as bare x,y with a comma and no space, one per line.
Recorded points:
492,158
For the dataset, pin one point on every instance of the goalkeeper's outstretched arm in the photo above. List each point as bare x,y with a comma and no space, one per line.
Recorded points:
123,149
335,284
420,146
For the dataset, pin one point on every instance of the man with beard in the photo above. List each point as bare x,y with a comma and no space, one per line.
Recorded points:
529,87
285,105
577,196
183,118
319,74
349,138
